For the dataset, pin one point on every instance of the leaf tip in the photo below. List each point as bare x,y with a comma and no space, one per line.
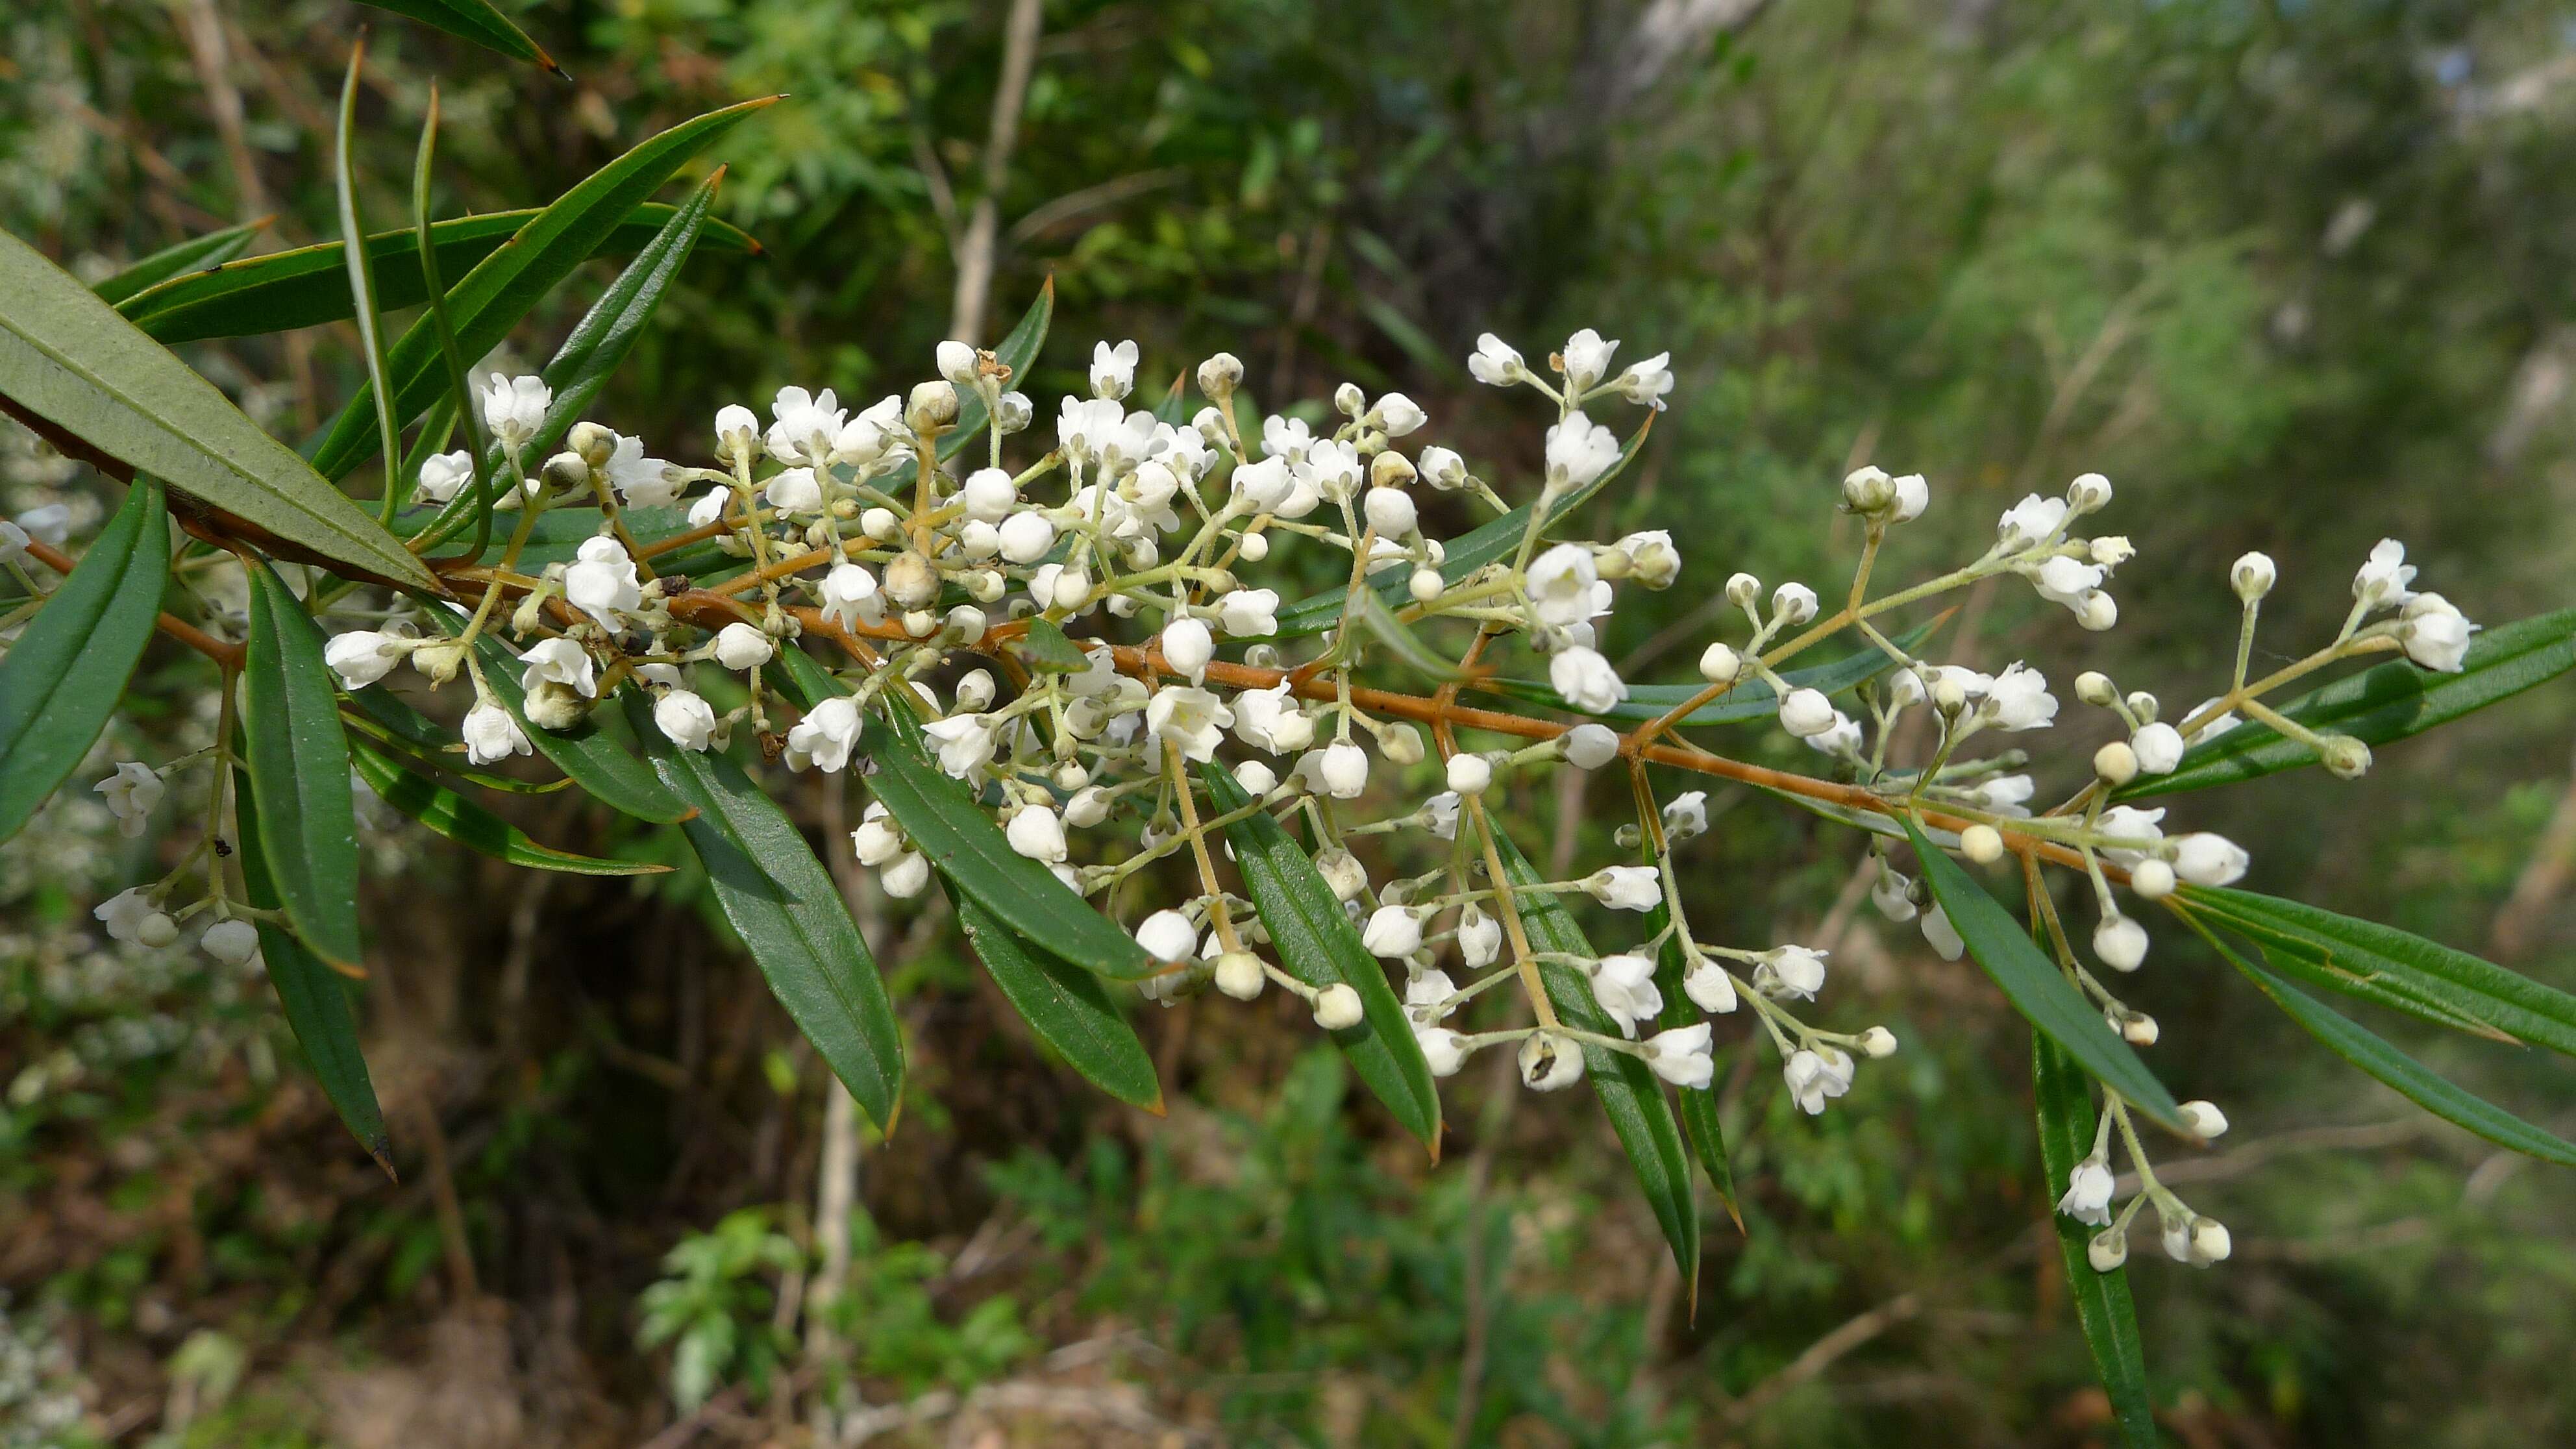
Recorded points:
381,1149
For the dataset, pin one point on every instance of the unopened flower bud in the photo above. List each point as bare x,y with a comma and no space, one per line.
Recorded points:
2252,576
2120,942
2095,688
2115,764
1742,590
1239,973
2107,1251
2204,1118
1878,1043
1982,844
2152,879
439,661
1349,401
554,705
567,470
1391,470
1337,1008
2098,612
911,581
932,406
1868,490
1425,585
157,930
1219,376
1470,774
594,443
2139,1029
1720,664
2088,493
2344,757
1401,744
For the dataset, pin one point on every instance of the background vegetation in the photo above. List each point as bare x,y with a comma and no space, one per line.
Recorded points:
2294,275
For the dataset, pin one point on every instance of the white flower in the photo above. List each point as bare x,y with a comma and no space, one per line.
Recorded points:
2067,581
1331,468
362,656
602,582
709,508
1496,363
1586,680
965,743
642,482
2436,634
441,474
1579,450
1913,495
515,407
1249,613
2383,579
805,426
131,917
2198,1241
236,943
743,646
1652,559
560,661
1426,997
1550,1063
1440,814
1341,769
1587,359
1793,604
491,736
956,362
737,430
1263,486
794,490
2211,860
131,794
1589,746
1816,1078
824,736
1113,369
687,719
868,439
1624,986
850,596
50,524
2034,520
1560,584
1797,972
13,542
1443,1050
1681,1055
2088,1193
1036,833
2019,699
1941,935
2158,747
1393,932
2007,794
1188,646
1805,712
1168,936
907,876
1397,415
1893,894
1267,719
1026,536
1338,1008
1480,938
1709,987
1015,412
1645,383
876,841
1342,872
1190,718
1626,887
1841,739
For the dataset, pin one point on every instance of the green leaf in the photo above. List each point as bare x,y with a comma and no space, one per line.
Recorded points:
2036,987
1402,642
67,359
2380,705
308,286
1632,1096
2102,1302
362,280
316,998
1045,649
491,299
2382,964
1066,1006
1496,539
472,826
299,760
1698,1105
211,250
587,752
790,915
474,20
421,741
2364,1049
62,679
1752,699
1318,945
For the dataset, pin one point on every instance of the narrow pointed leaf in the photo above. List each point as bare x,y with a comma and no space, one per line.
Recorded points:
362,278
2392,967
472,826
1751,700
1318,945
419,742
1698,1105
62,679
789,914
1066,1006
196,253
1631,1095
308,286
2102,1303
474,20
315,997
299,762
67,359
1496,539
2036,987
588,752
491,299
2364,1048
2380,705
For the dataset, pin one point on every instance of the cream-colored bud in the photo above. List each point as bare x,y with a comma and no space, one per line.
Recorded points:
1401,744
567,470
1982,844
594,443
1719,664
2094,688
438,662
2116,763
1220,375
554,705
1425,585
2344,757
2152,879
1391,470
932,406
1239,975
911,581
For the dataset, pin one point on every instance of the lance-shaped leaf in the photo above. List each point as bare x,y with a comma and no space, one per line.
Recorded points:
299,761
1750,700
362,276
474,20
62,679
68,361
2380,705
316,998
491,299
790,915
2363,1048
588,752
1631,1095
2102,1303
1318,945
1698,1105
1496,539
308,286
2036,987
472,826
415,740
2392,967
1066,1006
196,253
